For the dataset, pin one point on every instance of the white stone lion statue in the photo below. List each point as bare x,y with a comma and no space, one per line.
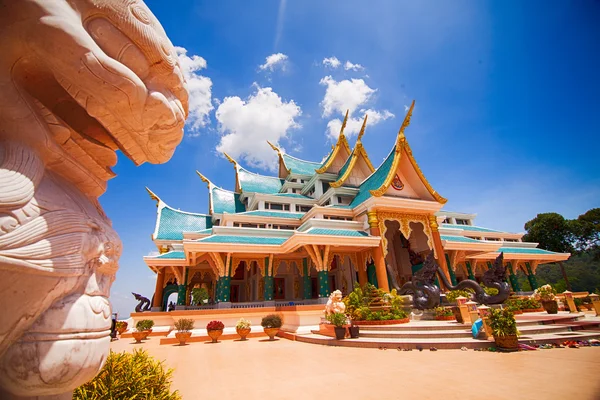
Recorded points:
335,304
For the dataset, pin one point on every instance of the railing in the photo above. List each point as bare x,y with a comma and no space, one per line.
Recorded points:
253,304
257,304
206,307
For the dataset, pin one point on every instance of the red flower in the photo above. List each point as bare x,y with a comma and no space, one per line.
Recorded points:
215,326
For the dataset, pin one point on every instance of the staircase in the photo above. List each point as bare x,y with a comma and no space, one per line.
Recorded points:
535,328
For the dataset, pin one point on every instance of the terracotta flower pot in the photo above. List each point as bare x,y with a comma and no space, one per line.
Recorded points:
146,333
507,342
243,332
551,306
183,337
121,330
271,332
215,334
138,336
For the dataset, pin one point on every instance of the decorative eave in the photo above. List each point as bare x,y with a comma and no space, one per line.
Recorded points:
236,166
358,150
403,146
341,142
210,186
280,156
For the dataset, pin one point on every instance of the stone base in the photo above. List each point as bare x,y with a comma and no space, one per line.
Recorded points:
156,309
422,315
327,330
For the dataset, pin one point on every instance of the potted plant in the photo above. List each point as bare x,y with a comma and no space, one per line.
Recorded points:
530,305
443,314
138,335
183,327
243,328
547,295
121,327
145,326
271,324
338,320
215,329
504,329
515,305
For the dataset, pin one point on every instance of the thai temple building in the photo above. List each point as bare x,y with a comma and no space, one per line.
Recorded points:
322,226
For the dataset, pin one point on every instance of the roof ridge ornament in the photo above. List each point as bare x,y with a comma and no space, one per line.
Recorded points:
344,124
341,141
362,129
401,138
153,196
205,180
230,159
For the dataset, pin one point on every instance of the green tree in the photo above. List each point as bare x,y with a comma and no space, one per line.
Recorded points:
586,230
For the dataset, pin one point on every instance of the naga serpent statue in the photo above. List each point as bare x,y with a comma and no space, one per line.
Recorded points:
492,278
144,303
79,80
425,293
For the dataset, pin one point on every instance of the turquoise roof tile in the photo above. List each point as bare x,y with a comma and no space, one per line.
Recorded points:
294,195
326,159
251,182
341,206
205,232
173,255
468,228
374,181
226,201
336,232
275,214
298,166
525,250
172,223
459,239
243,239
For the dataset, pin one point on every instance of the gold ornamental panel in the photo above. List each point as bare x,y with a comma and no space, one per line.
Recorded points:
404,219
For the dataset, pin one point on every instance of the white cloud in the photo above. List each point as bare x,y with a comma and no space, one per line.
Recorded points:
199,88
344,95
246,125
274,61
332,62
354,67
353,125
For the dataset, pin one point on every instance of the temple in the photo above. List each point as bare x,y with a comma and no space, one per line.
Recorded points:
322,226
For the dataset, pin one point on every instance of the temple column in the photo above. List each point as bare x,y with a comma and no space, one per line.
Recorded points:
224,283
470,270
378,252
269,281
531,276
306,282
323,278
182,288
513,278
451,270
439,249
362,270
158,290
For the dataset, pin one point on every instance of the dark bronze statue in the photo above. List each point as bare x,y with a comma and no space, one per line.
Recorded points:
144,303
425,293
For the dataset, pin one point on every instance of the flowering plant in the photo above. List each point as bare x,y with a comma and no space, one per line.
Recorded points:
243,324
215,326
545,293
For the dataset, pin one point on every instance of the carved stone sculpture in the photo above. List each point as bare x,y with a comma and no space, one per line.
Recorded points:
426,294
79,79
335,303
144,303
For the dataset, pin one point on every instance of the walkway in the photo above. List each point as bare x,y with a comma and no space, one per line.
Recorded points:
283,369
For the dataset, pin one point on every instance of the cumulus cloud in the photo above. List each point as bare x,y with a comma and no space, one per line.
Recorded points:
353,125
274,61
354,67
199,88
331,62
344,95
246,125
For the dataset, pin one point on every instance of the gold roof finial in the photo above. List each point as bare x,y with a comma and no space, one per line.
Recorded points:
344,124
231,160
362,129
273,146
153,196
204,179
405,123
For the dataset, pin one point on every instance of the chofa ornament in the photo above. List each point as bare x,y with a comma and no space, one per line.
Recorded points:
80,79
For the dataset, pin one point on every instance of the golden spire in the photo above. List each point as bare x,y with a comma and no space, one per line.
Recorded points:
273,146
406,122
153,196
344,124
231,160
362,129
204,179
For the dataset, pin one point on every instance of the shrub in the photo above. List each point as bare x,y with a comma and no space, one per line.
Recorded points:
215,326
199,295
530,304
454,294
129,376
243,324
502,322
337,319
271,321
443,312
490,291
121,325
184,325
144,325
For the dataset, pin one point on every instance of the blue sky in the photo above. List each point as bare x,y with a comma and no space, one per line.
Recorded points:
506,122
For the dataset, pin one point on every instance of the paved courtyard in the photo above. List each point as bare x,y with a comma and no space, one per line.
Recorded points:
283,369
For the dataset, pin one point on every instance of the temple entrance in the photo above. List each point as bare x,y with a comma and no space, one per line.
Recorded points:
235,293
279,288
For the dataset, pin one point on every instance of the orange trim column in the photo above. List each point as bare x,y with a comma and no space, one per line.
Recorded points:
437,244
380,270
361,268
158,290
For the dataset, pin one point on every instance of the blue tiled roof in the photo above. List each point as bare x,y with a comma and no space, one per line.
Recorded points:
341,206
468,228
173,255
243,239
459,239
336,232
172,223
275,214
294,195
374,181
326,159
298,166
525,250
205,232
226,201
251,182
